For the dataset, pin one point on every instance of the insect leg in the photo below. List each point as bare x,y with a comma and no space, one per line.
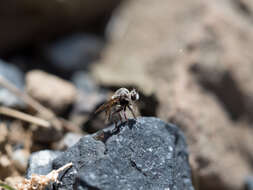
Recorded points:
116,112
116,128
132,111
125,114
115,121
120,117
108,114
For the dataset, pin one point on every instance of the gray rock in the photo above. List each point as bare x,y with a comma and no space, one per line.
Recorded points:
89,95
16,77
249,183
143,154
75,52
68,140
84,82
41,162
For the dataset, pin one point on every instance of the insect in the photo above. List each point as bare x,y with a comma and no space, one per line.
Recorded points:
118,104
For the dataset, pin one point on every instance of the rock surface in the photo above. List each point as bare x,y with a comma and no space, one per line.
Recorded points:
147,154
144,154
68,140
41,162
14,75
192,49
50,90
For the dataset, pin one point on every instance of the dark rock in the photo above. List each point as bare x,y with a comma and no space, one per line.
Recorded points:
217,79
46,135
16,77
249,183
143,154
29,22
74,53
41,162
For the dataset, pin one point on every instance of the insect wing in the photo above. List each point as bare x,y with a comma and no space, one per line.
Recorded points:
107,105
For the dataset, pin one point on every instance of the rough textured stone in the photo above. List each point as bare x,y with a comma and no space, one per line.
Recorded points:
41,162
195,56
143,154
16,77
50,90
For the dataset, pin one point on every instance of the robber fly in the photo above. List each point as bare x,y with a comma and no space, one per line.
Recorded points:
122,100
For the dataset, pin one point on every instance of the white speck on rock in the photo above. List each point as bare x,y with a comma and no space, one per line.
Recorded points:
92,176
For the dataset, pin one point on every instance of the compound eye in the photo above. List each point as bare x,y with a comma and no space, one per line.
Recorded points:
135,96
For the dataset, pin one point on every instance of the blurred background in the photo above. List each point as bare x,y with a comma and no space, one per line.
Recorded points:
191,61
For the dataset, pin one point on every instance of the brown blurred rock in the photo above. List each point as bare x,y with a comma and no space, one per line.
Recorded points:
3,134
18,135
50,90
6,168
195,56
25,22
20,159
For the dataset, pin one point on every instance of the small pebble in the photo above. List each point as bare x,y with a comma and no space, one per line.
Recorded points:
20,159
15,76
